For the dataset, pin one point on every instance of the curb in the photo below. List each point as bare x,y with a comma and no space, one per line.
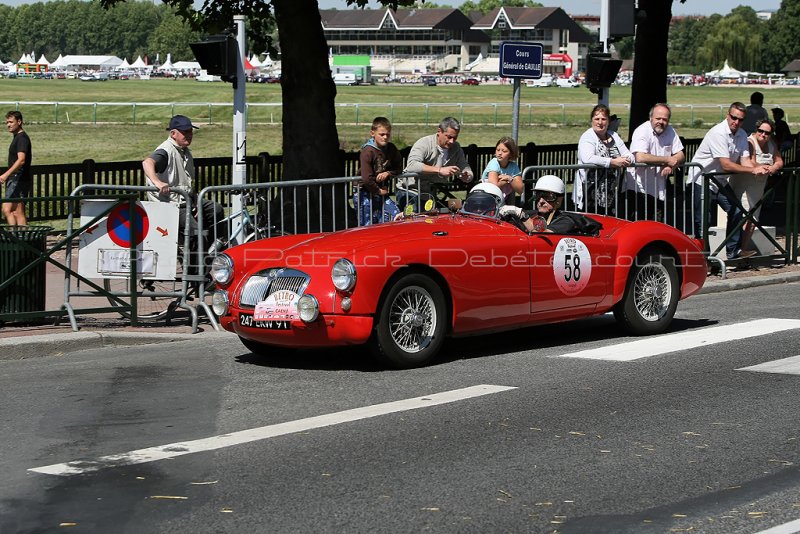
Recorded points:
21,348
753,281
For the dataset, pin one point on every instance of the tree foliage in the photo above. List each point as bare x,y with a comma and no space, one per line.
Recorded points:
685,37
738,38
486,6
782,44
76,27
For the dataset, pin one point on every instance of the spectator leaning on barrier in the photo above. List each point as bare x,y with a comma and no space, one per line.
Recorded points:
723,149
598,189
655,143
503,170
171,167
754,112
380,160
18,175
438,157
763,153
783,136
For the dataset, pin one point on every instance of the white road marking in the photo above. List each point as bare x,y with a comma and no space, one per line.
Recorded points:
655,345
152,454
786,366
792,527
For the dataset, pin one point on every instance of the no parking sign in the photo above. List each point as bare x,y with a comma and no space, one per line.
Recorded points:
104,249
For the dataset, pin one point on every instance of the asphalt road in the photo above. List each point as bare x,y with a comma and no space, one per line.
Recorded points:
678,441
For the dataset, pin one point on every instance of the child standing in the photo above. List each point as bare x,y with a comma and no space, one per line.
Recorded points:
503,170
380,160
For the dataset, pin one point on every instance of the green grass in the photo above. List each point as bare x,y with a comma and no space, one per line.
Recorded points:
122,127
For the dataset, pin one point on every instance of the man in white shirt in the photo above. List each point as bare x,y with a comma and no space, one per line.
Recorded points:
723,149
657,144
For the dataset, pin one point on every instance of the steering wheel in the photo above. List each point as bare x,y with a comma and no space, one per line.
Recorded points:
539,223
514,219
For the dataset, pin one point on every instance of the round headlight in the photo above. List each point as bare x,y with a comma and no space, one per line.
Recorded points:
343,275
219,302
308,308
222,269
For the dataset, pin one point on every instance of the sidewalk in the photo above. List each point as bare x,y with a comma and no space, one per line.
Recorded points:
19,341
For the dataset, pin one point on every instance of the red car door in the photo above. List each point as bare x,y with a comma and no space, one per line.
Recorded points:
569,273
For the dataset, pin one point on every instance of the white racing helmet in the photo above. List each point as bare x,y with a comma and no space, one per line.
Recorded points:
484,199
551,183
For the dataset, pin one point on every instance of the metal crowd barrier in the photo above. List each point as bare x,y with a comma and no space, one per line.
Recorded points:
330,204
180,292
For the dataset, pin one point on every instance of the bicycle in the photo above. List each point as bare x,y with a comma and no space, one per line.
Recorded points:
158,299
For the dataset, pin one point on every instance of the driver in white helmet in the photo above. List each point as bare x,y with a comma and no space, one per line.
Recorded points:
549,195
484,199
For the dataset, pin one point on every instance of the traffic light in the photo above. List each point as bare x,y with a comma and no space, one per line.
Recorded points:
621,18
601,71
218,56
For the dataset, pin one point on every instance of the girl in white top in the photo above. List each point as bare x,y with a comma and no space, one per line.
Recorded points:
764,152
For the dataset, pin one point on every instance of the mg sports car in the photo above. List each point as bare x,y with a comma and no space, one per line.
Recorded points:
403,287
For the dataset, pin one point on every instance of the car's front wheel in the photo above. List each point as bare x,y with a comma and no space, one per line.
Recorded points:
651,295
410,323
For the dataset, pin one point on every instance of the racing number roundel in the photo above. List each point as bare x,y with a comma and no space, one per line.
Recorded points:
119,225
572,266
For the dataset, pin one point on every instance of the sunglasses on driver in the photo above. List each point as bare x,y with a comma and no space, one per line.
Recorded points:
548,196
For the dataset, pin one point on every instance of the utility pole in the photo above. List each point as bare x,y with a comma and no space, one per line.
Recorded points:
605,22
239,124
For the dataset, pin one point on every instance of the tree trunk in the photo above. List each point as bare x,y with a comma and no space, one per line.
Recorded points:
310,139
650,61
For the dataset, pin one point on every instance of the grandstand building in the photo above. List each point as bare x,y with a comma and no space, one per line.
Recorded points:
419,41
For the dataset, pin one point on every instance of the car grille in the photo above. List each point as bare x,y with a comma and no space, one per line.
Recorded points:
263,284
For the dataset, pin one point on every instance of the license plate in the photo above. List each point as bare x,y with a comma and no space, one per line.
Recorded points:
246,319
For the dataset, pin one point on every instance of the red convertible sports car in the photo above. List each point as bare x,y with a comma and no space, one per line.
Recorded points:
402,287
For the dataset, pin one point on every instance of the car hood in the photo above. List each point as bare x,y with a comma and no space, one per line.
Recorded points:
412,234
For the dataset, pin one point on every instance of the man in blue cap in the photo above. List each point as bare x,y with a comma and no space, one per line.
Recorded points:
171,168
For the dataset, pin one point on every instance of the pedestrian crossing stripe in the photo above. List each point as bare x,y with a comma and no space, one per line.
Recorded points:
785,366
679,341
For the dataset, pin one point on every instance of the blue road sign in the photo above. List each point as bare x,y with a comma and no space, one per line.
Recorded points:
521,60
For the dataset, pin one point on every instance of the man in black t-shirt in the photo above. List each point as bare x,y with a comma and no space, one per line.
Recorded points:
18,175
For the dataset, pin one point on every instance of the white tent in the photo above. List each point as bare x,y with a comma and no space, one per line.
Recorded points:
25,59
725,72
58,63
255,62
477,61
138,64
124,65
42,60
167,65
186,65
267,62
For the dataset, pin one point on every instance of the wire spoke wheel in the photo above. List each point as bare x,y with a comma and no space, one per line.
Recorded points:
651,295
410,322
652,292
412,319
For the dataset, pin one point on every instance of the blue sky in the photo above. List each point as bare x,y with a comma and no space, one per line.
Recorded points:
584,7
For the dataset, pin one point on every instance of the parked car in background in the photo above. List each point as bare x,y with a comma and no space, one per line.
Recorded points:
470,81
567,82
545,81
429,81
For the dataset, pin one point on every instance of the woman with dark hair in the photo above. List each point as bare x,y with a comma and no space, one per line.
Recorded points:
597,190
764,152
